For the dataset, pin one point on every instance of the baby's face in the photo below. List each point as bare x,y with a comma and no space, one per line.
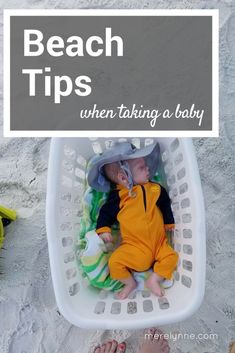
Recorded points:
139,170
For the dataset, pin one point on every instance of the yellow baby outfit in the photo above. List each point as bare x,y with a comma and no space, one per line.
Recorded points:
142,217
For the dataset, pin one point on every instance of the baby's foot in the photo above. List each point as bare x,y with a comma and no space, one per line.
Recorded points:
154,342
111,347
128,288
154,285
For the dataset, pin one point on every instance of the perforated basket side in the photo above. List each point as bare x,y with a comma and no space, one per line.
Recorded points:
184,184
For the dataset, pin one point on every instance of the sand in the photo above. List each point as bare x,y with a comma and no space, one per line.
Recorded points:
29,319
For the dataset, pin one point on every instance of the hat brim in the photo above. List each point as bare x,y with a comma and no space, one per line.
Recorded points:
95,180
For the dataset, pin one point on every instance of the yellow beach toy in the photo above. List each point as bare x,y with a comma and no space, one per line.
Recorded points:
6,217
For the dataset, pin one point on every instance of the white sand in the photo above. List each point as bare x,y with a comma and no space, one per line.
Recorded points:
29,319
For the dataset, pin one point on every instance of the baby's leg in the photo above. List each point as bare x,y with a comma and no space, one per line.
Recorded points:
166,261
124,259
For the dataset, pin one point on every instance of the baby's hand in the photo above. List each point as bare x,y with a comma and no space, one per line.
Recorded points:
106,237
169,227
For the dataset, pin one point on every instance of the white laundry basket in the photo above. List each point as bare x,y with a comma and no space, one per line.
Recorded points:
90,308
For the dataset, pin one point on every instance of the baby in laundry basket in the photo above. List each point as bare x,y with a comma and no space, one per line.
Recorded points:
143,210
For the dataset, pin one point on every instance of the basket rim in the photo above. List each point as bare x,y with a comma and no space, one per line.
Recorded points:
65,308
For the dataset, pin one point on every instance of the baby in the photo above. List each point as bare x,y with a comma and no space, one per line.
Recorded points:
143,211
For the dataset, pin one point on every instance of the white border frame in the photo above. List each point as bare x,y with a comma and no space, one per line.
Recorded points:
103,12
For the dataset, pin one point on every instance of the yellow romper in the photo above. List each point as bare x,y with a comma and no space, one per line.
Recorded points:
142,221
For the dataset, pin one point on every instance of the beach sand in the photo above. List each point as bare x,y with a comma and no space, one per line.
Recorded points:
29,319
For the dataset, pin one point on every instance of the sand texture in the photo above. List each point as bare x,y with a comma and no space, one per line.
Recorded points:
29,319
